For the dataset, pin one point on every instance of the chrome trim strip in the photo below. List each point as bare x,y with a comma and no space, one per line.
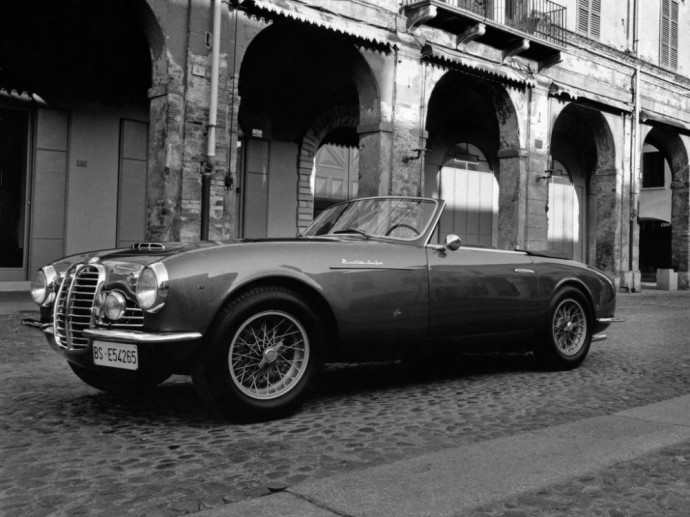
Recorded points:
138,337
610,320
372,268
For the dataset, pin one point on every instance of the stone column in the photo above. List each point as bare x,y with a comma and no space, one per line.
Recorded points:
680,250
537,185
410,137
375,150
376,87
512,198
603,188
164,180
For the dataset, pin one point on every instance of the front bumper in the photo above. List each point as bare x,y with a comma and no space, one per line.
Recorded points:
175,350
138,337
602,324
134,337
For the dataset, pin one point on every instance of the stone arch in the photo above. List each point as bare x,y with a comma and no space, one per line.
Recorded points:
464,108
294,101
582,139
156,40
501,129
667,140
333,118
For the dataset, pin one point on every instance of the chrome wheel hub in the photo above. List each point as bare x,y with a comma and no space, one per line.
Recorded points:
270,355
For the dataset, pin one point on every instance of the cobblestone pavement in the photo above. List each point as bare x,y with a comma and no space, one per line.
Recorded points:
67,449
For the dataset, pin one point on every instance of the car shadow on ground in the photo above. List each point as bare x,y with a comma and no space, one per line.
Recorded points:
177,401
348,379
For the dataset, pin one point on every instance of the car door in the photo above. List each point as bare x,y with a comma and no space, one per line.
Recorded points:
477,291
378,292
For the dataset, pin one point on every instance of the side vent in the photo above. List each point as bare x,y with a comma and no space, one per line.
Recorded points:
148,246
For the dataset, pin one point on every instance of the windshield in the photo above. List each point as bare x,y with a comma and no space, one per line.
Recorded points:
397,218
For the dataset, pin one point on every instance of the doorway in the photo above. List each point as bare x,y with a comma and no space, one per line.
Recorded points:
470,190
14,146
336,176
566,213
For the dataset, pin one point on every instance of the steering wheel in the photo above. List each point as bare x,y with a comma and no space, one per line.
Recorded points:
401,225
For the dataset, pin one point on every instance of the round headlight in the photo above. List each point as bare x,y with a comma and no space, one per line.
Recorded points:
39,287
114,305
43,285
152,287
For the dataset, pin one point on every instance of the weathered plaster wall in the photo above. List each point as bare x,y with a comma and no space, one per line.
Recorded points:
395,89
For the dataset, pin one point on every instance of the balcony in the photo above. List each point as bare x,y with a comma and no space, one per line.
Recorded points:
532,28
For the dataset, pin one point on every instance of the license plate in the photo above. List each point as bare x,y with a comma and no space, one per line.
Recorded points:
115,355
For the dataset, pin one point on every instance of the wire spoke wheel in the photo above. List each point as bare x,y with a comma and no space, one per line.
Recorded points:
569,327
268,355
567,332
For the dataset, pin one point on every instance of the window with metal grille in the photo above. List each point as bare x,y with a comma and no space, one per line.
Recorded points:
589,17
668,44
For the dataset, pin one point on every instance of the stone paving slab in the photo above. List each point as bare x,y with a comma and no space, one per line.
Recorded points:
453,481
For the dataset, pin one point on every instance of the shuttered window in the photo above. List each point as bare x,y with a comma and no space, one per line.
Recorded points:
589,17
668,46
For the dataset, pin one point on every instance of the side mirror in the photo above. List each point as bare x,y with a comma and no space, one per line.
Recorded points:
453,242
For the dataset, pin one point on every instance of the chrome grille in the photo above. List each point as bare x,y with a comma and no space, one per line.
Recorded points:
74,304
76,307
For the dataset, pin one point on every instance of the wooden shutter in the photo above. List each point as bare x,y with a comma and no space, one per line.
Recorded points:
664,50
583,16
668,44
589,17
674,35
595,19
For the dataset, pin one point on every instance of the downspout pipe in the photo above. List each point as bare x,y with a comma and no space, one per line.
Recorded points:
635,165
635,158
212,123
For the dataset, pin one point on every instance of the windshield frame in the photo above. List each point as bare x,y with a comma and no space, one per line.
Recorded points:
337,210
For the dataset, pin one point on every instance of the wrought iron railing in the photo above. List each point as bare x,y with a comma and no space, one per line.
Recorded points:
541,18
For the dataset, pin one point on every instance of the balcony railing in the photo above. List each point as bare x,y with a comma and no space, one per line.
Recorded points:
541,18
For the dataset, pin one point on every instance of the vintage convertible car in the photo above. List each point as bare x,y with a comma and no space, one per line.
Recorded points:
252,320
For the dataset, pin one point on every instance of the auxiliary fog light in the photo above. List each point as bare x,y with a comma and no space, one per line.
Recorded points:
114,305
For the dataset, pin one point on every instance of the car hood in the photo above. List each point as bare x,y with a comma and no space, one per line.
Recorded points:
140,253
146,253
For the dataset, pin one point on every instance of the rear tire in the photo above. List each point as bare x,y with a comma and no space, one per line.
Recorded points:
261,355
567,335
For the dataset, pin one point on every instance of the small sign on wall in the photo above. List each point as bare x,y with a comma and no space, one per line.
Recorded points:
82,163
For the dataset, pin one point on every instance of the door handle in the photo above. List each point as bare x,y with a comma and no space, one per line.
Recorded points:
524,271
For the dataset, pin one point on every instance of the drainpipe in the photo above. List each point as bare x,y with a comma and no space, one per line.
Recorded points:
212,123
635,158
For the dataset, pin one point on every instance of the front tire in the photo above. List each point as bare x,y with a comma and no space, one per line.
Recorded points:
568,331
261,355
